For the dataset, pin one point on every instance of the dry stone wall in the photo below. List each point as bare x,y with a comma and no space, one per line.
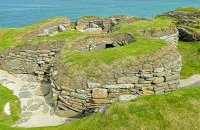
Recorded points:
30,59
98,24
169,34
155,74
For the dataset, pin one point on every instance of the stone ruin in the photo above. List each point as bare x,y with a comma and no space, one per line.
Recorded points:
155,74
98,24
187,24
92,43
48,28
52,31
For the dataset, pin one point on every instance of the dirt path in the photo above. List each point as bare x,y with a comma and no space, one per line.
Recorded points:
189,82
36,104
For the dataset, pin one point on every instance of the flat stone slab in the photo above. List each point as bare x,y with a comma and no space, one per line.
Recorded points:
128,97
25,94
33,107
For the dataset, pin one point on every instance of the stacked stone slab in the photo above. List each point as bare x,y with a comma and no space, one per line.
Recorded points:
155,74
30,59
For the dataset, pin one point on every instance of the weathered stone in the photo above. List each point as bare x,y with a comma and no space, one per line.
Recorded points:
26,114
119,86
172,77
68,113
158,70
129,97
157,80
65,93
52,54
76,95
81,91
25,94
128,80
39,101
146,75
147,93
93,85
114,95
99,93
102,108
61,28
33,107
43,90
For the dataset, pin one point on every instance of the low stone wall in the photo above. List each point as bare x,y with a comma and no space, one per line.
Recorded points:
30,59
154,74
95,23
169,34
90,43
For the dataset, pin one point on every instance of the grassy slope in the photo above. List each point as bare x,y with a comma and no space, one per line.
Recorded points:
190,52
10,37
174,111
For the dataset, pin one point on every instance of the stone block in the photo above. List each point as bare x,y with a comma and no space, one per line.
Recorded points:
158,70
128,97
172,77
93,85
99,93
128,80
158,80
76,95
118,86
114,95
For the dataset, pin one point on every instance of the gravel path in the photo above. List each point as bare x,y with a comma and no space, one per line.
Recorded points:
36,106
189,82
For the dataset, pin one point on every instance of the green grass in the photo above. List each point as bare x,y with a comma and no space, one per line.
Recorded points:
179,110
190,52
140,47
7,96
175,111
188,9
10,37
